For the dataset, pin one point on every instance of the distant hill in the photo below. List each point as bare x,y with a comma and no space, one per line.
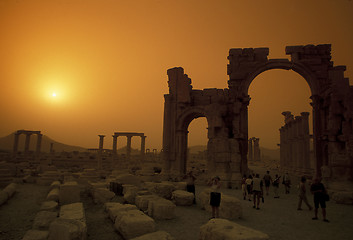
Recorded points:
6,144
265,152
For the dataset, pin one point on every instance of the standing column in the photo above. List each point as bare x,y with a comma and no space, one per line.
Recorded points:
39,143
306,140
317,134
28,139
100,151
115,144
143,144
250,151
256,149
15,144
128,147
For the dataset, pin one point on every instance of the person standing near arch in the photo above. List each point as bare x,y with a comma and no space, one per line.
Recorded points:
319,191
215,196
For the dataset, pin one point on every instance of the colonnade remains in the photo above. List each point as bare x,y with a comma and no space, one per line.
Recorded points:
254,151
295,144
27,142
226,111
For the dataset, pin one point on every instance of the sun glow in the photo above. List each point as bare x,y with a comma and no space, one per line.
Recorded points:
53,94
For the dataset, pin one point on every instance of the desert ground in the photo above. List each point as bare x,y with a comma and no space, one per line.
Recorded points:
279,218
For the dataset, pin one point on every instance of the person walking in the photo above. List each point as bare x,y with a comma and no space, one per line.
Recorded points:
276,185
215,196
257,190
268,180
302,194
319,191
286,182
243,186
190,184
248,182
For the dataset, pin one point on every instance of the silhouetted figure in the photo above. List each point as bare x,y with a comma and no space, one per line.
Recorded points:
302,194
190,183
248,182
319,191
286,182
257,190
268,180
243,186
215,196
276,185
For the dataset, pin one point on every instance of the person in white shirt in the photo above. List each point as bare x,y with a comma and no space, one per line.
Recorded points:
257,189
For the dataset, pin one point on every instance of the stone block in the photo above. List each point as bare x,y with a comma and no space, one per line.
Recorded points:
10,189
343,197
230,207
73,211
67,229
141,201
127,178
36,235
69,193
180,186
159,235
108,205
134,223
29,179
161,209
3,197
130,194
164,189
223,229
49,206
182,198
102,195
53,195
43,220
116,210
55,184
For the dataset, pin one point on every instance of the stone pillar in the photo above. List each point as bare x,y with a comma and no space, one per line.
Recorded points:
257,152
306,141
128,147
143,144
51,147
28,139
115,144
15,144
100,151
39,143
250,151
317,134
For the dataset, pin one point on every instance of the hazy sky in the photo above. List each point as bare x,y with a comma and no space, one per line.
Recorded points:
107,61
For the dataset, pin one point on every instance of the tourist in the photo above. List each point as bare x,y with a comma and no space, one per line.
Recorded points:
268,180
319,191
302,194
257,190
286,182
248,182
215,196
243,186
276,185
190,184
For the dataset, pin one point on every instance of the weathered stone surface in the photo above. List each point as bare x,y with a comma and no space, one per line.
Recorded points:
222,229
130,194
108,205
182,198
343,197
163,189
3,197
118,209
230,207
10,189
180,186
43,220
29,179
67,229
73,211
204,199
49,206
159,235
53,195
141,201
134,223
127,178
55,184
69,193
161,209
36,235
102,195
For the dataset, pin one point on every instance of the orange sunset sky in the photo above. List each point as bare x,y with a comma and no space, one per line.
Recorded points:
107,61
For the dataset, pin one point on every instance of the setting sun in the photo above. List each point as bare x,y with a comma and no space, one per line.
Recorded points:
54,94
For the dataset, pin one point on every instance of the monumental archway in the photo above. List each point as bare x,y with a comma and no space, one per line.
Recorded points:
227,111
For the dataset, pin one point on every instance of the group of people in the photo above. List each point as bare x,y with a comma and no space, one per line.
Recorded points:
252,187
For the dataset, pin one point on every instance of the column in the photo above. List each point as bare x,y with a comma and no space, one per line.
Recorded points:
39,143
143,143
115,144
317,132
101,140
28,139
256,149
250,151
128,146
15,144
306,140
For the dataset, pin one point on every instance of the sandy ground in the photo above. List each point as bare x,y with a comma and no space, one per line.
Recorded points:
278,218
